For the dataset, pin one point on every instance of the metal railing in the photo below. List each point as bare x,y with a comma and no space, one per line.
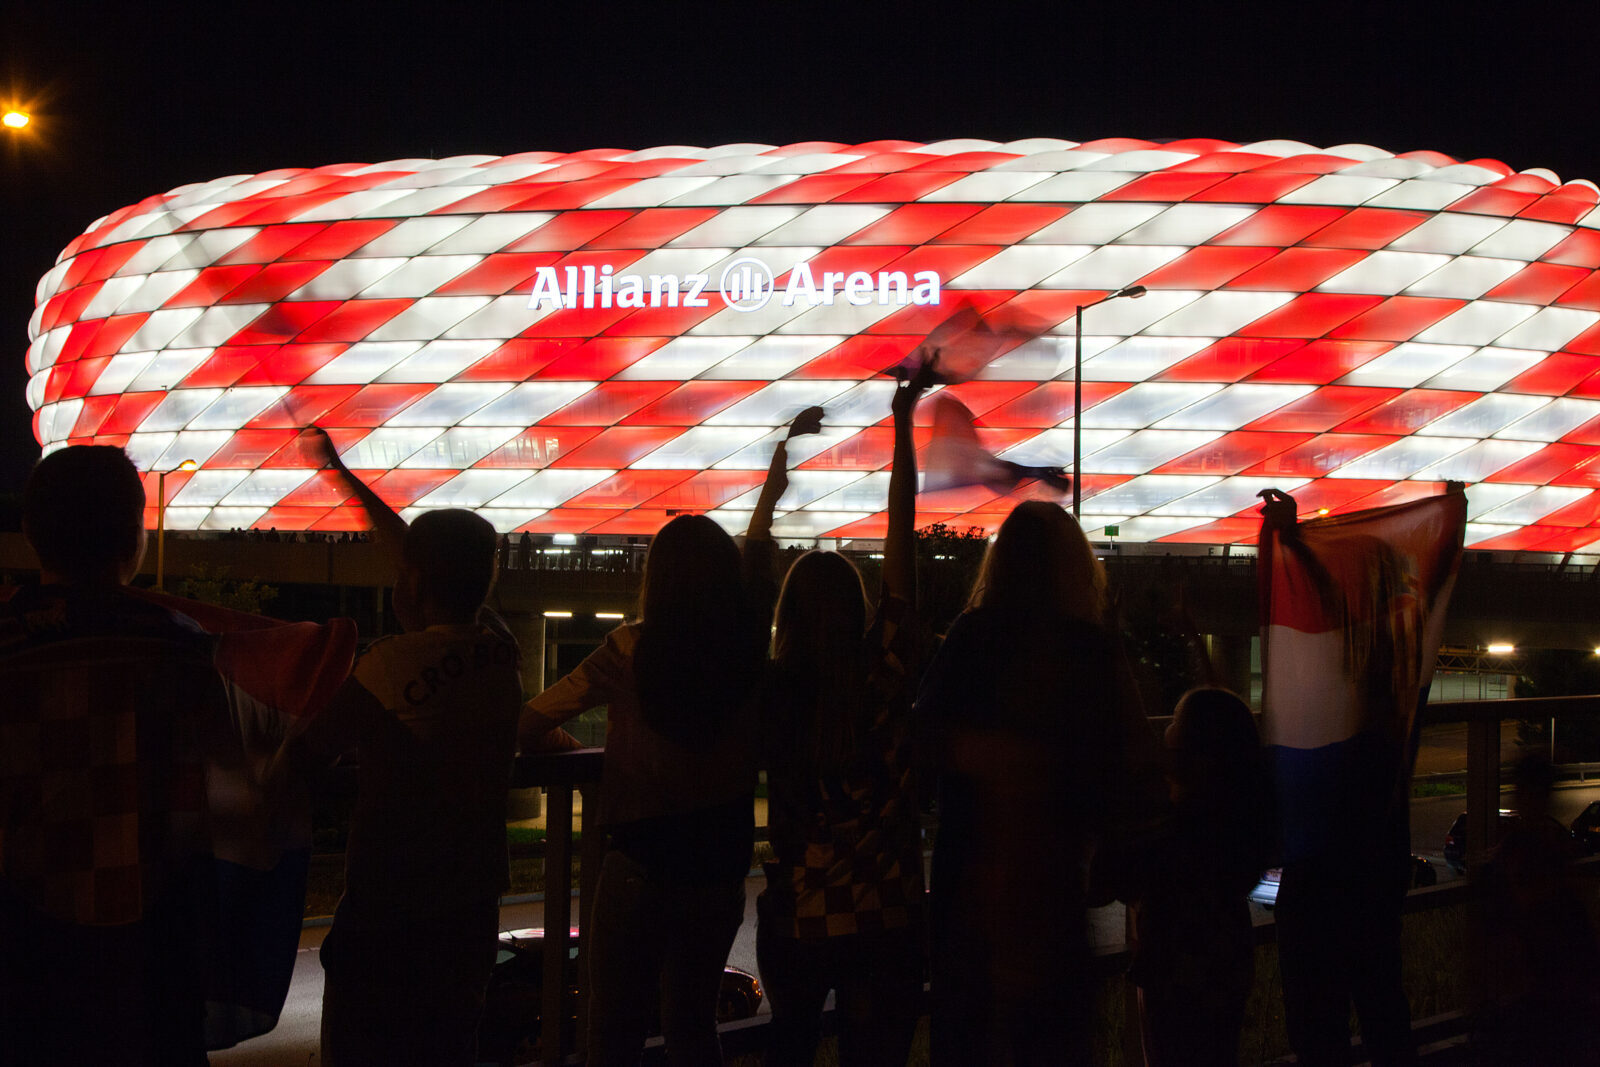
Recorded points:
560,774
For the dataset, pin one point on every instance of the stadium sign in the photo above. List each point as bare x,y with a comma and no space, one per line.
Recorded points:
746,284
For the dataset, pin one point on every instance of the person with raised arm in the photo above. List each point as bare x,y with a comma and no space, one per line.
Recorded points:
431,714
677,795
843,906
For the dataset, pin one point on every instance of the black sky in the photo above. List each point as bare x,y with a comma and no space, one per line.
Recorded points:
135,99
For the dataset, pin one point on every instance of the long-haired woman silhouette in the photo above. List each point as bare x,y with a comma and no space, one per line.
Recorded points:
1043,756
677,793
842,909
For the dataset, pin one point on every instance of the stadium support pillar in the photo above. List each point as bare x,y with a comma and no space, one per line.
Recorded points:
529,630
1483,788
1230,658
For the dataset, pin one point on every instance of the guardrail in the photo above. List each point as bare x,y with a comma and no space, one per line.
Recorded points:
563,774
1483,719
560,774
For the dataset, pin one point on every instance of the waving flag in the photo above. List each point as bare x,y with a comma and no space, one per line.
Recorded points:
278,676
1352,616
967,341
956,458
191,780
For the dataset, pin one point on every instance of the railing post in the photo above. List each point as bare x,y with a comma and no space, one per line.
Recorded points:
1132,1021
1483,785
557,920
590,855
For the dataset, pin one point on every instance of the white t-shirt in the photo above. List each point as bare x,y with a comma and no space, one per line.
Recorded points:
428,834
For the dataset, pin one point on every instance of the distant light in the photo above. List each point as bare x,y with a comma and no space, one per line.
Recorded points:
1322,511
558,614
15,119
564,539
1500,650
187,465
609,615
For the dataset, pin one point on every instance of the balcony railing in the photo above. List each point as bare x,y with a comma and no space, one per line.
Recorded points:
560,775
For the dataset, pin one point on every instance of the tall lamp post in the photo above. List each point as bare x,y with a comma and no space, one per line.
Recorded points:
1132,292
161,519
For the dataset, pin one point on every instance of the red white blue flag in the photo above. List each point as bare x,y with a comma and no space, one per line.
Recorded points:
1352,617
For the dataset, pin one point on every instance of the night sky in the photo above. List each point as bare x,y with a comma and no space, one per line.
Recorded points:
136,99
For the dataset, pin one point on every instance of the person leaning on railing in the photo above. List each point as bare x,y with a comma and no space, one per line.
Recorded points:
677,793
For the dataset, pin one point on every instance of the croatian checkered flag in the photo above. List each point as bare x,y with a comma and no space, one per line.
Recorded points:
278,676
1352,617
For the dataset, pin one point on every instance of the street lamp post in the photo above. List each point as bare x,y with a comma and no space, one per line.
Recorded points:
161,520
1132,292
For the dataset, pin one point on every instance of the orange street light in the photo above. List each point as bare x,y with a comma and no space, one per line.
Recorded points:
15,120
161,520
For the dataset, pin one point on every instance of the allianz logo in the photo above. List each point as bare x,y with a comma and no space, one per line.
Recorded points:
746,284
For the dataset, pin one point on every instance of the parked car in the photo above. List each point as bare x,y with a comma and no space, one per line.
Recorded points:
1586,828
509,1032
1455,841
1266,891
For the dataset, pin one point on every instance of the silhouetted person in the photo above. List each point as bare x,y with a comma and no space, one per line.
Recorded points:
1346,850
103,838
1539,995
843,907
1041,748
678,790
432,714
1194,954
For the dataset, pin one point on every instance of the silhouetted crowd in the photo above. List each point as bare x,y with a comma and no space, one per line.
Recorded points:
273,535
1023,727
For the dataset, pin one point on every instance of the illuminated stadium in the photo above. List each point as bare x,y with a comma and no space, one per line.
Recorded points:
589,342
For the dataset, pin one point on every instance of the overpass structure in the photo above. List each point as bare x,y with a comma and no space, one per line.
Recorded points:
1497,600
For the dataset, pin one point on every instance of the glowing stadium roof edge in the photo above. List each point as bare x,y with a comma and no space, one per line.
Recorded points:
588,341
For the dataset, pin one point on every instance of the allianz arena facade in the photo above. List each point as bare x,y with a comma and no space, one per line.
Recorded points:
589,342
